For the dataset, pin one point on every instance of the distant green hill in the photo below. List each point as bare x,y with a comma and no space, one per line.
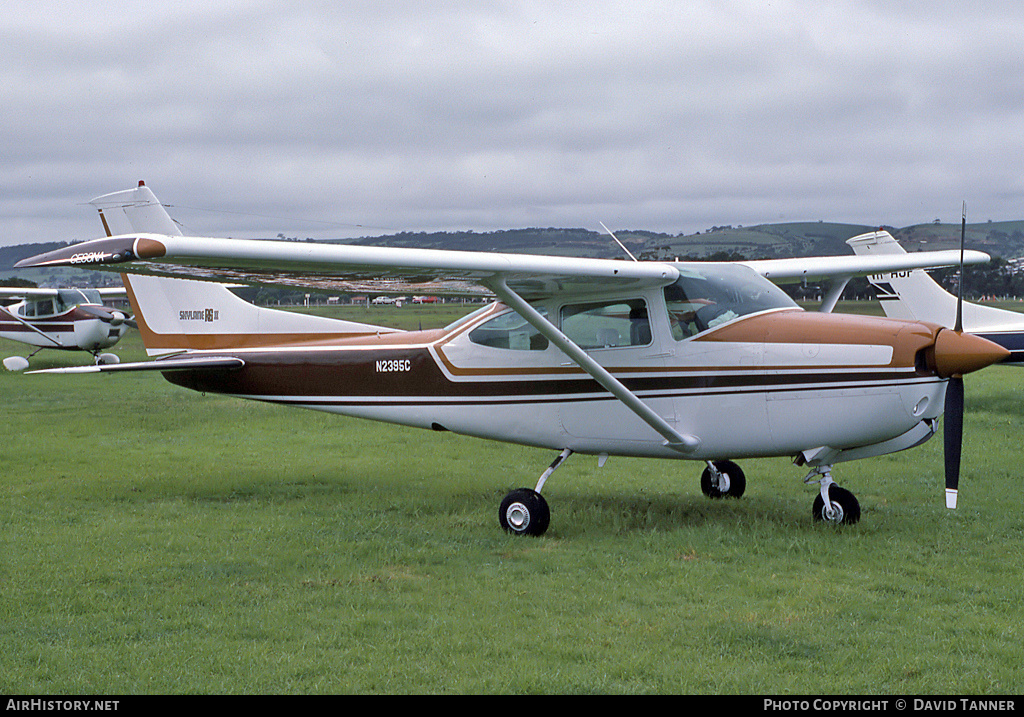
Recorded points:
1002,239
768,240
11,255
760,241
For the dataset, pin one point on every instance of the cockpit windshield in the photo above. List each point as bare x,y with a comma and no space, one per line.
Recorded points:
708,295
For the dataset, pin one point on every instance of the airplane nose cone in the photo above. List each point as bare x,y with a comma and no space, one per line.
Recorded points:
956,354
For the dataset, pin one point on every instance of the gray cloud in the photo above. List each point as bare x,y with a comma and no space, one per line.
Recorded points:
331,120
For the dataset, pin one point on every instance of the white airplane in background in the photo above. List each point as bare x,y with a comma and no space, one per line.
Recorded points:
64,319
914,295
708,362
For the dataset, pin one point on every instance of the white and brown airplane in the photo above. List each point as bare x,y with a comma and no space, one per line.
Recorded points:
708,362
63,319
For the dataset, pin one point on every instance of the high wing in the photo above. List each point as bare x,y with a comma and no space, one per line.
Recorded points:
340,267
836,271
783,271
516,279
343,267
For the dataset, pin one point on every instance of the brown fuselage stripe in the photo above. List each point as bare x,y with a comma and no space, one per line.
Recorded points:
14,327
366,374
795,326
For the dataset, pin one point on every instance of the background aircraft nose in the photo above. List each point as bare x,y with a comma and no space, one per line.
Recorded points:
955,353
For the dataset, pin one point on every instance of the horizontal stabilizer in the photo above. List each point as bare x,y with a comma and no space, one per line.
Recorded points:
213,363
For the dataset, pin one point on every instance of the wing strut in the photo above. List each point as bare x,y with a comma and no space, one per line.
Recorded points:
673,439
835,290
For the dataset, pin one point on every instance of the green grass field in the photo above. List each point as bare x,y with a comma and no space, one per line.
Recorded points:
157,540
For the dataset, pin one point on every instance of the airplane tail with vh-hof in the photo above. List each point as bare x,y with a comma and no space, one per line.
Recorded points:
916,296
709,362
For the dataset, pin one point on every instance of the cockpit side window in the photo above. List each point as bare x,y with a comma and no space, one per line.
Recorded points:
710,295
509,331
607,325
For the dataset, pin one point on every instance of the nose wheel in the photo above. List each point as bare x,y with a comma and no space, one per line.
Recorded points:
833,504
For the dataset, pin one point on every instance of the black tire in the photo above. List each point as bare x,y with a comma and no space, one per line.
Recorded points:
846,501
737,481
524,512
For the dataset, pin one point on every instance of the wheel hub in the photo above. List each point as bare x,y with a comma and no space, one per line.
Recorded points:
518,516
724,484
833,512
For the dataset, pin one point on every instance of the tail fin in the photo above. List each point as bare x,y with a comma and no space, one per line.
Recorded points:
915,295
180,315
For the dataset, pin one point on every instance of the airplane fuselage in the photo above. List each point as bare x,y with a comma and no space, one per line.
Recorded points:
744,389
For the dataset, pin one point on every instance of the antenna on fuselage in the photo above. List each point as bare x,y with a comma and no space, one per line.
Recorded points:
621,245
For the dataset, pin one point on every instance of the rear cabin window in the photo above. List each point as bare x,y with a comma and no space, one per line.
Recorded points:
38,307
607,325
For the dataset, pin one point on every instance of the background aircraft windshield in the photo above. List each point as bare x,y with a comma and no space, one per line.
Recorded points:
67,298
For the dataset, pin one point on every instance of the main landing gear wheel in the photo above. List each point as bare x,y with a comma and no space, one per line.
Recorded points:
845,508
524,512
729,483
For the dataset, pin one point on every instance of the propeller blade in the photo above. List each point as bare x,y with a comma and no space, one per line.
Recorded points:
959,325
953,422
953,430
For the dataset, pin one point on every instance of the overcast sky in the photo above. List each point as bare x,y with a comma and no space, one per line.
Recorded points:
343,119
